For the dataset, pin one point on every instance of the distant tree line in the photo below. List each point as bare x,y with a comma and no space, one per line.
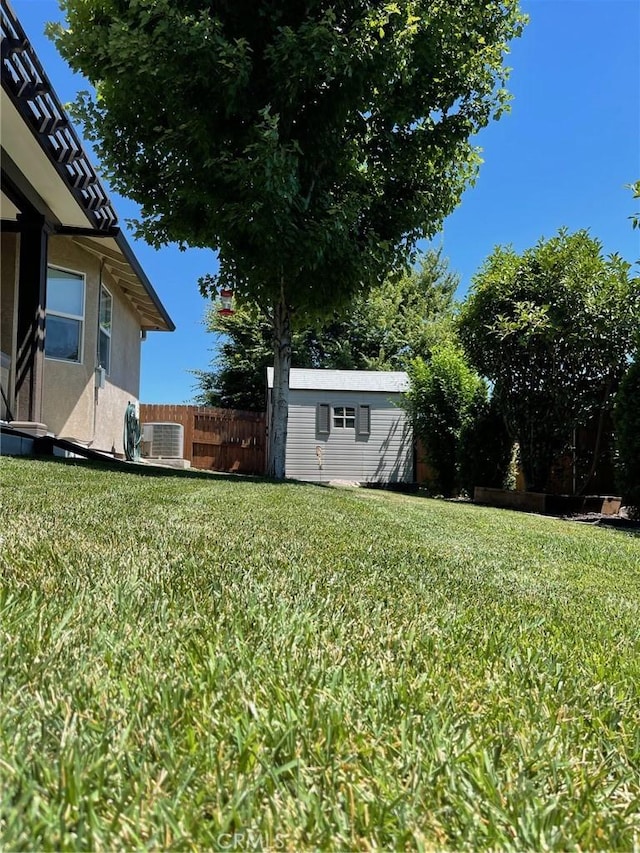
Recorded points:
381,330
545,341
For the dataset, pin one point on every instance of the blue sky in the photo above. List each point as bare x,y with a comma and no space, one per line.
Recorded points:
561,157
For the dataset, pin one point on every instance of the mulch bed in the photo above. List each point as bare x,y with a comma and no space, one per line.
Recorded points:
597,518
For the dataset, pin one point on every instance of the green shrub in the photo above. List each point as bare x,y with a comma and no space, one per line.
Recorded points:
444,393
485,449
551,329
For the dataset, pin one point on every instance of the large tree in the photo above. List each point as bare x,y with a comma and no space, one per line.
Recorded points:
382,329
310,143
551,329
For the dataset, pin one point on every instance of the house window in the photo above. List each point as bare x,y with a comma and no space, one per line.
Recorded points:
104,331
344,417
65,315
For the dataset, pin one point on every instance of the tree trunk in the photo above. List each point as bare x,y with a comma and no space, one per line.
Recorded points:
595,459
537,455
280,392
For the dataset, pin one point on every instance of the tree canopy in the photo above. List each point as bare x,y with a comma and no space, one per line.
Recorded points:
382,329
551,329
310,144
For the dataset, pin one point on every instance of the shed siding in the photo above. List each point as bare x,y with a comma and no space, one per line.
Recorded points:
384,456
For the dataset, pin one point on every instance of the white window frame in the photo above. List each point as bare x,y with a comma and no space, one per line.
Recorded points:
49,312
107,367
342,414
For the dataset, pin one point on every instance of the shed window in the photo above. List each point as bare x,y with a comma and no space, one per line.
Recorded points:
65,315
323,418
364,420
344,417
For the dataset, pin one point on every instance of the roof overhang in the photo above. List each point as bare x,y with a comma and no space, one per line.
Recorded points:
45,169
39,137
123,266
323,379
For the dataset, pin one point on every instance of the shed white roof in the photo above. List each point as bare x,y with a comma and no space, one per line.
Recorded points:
345,380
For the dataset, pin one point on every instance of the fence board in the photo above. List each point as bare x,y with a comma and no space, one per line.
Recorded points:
216,439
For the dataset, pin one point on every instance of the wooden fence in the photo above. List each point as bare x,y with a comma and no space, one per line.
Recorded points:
216,439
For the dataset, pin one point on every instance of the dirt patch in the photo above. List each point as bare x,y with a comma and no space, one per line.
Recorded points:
620,521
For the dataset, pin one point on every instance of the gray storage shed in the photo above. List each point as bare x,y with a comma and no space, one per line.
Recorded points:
347,425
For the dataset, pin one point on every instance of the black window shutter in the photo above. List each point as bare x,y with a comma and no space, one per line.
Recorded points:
364,420
323,418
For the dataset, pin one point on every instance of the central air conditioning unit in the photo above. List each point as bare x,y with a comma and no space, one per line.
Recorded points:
163,441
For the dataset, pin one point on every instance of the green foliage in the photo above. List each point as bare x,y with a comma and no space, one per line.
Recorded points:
443,395
485,447
382,330
627,423
238,380
551,330
310,145
184,665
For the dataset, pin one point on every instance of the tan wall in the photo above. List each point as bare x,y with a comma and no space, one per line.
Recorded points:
8,277
72,405
123,380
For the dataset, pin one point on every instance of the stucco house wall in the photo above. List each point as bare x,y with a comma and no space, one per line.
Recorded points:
73,407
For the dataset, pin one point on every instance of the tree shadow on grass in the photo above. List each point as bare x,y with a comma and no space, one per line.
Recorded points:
150,471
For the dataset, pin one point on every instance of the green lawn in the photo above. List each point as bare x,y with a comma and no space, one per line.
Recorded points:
192,662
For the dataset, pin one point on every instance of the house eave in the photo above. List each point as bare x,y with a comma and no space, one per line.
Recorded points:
46,171
123,266
31,107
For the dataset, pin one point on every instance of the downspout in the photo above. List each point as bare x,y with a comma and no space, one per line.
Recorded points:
96,390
